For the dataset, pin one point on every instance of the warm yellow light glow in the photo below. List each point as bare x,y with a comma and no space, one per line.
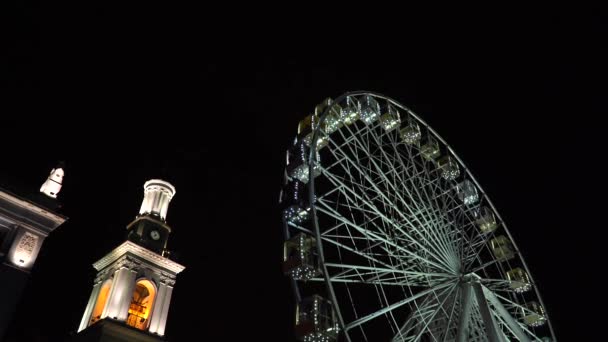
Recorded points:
102,298
141,304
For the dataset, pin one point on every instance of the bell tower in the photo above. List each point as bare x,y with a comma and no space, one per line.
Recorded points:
132,291
149,229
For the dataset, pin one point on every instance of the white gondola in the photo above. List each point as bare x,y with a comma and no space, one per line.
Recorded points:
502,248
300,259
316,320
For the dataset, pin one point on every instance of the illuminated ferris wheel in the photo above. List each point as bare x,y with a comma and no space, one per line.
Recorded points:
390,238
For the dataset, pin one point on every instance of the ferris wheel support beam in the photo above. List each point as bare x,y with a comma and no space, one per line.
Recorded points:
465,313
449,323
486,314
505,316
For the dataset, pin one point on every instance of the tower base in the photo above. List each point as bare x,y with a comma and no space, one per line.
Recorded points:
108,330
12,283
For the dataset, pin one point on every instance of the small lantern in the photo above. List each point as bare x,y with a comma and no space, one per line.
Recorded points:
449,168
534,314
300,260
391,119
467,192
370,109
352,111
485,220
502,248
316,320
519,280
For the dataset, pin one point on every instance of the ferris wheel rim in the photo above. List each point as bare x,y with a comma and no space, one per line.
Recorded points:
314,214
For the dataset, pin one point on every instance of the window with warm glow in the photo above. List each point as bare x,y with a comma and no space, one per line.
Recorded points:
141,305
102,298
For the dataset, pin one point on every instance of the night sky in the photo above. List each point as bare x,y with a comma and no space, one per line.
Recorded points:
209,101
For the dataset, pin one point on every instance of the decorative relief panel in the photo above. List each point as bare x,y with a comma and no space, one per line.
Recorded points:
127,262
167,279
26,247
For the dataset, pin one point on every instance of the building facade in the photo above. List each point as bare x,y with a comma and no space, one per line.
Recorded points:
24,224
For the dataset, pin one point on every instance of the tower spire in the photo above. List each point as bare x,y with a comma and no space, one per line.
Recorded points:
53,183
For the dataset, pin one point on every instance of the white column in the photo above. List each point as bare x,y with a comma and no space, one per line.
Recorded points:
161,310
123,312
90,306
165,311
158,308
118,293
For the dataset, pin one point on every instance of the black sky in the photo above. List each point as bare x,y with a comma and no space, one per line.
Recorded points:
209,101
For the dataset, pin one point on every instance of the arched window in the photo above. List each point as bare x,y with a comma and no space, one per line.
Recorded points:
102,298
141,304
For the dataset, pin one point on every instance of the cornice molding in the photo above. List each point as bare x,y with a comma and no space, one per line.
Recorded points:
141,252
32,207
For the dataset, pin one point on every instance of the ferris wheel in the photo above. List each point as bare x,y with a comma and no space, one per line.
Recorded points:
389,237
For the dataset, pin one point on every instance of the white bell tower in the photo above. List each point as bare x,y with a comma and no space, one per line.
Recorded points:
132,291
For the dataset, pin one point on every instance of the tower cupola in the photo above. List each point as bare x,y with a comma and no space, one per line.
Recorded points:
157,195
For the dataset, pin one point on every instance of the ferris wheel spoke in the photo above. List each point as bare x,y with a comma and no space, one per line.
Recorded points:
476,245
485,265
385,158
391,307
402,334
336,216
490,283
363,277
407,190
396,282
513,304
388,270
361,254
376,237
390,204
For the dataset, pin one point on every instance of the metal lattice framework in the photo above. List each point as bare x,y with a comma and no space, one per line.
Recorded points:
407,246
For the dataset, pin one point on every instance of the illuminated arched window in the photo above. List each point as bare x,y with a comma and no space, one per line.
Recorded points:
102,298
141,304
